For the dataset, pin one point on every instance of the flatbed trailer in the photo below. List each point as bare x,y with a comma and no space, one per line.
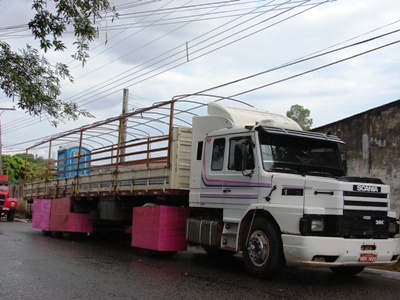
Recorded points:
126,167
150,176
143,165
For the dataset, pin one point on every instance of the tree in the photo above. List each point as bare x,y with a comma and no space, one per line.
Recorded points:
301,115
18,166
30,76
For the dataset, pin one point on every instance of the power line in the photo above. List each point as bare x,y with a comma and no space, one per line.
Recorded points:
298,61
177,58
145,78
290,64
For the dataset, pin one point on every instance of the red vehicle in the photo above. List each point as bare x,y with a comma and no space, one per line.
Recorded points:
8,205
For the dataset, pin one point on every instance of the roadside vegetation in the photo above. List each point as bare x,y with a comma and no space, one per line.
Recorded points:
14,166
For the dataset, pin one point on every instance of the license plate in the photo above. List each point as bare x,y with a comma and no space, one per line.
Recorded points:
367,257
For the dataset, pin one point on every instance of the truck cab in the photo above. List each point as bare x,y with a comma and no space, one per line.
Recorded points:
8,206
261,185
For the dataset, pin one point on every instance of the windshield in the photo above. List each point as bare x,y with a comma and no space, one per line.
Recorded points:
306,156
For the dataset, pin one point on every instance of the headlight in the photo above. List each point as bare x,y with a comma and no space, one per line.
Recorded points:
393,227
13,203
313,225
317,225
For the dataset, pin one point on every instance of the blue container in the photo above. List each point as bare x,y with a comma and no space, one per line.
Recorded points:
67,165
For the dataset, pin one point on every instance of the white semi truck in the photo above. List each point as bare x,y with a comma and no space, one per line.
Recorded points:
239,179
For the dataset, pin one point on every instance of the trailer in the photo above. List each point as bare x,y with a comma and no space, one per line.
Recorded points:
234,179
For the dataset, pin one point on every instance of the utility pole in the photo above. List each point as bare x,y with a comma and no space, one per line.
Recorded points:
124,124
1,143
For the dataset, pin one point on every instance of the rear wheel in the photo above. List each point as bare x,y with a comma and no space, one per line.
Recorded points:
262,249
347,271
73,236
159,254
10,216
56,234
46,232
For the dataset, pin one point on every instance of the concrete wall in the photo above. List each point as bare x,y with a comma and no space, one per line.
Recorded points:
372,145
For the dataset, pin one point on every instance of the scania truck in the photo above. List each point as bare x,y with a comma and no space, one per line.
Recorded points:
238,180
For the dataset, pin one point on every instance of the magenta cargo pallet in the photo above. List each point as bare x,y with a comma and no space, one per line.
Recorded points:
160,228
41,214
54,215
59,214
79,223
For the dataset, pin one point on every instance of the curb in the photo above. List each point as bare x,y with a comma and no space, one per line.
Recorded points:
21,220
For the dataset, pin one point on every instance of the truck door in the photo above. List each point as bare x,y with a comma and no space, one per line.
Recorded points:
211,191
241,180
229,179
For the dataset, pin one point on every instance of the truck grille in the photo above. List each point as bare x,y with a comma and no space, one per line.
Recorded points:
1,202
365,215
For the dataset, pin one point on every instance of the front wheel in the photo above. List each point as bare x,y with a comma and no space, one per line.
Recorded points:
347,271
10,216
262,249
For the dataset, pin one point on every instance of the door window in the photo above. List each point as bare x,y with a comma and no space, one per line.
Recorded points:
218,153
240,154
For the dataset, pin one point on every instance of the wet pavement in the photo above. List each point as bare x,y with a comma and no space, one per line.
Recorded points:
34,266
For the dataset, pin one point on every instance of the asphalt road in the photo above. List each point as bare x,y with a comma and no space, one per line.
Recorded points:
34,266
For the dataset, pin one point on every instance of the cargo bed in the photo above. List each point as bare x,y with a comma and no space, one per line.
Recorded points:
157,164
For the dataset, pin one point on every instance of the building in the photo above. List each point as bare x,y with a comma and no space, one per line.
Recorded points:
372,145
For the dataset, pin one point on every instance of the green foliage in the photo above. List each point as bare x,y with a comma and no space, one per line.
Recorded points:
81,14
301,115
29,76
15,165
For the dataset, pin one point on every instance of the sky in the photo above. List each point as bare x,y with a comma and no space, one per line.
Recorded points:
335,58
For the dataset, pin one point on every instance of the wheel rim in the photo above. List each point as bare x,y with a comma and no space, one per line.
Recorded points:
258,248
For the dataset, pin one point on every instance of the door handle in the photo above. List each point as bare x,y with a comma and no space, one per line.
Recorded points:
324,193
226,190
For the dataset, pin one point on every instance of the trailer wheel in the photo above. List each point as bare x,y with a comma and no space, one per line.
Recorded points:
56,234
347,271
159,254
262,249
73,236
10,216
46,232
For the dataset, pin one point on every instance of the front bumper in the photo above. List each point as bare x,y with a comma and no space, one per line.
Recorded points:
7,209
332,251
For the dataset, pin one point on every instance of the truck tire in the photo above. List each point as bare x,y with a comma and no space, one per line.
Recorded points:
262,249
73,236
347,271
46,232
159,254
10,216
